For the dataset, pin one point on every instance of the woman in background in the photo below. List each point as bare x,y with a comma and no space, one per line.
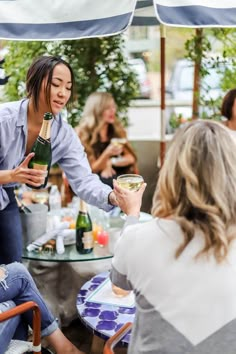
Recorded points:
182,264
98,126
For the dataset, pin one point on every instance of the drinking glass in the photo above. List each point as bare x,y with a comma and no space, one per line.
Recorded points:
129,181
118,291
118,142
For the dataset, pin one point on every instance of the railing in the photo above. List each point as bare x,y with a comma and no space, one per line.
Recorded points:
157,103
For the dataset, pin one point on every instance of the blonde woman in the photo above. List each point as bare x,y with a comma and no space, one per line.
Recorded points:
182,264
98,126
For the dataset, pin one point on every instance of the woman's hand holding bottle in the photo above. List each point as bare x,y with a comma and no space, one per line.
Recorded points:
23,174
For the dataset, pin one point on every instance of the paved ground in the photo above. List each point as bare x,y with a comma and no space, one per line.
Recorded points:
82,338
79,335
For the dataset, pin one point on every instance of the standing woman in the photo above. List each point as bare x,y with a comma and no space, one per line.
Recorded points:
49,86
98,126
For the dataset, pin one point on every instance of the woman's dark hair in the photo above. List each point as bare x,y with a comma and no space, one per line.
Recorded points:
40,69
227,104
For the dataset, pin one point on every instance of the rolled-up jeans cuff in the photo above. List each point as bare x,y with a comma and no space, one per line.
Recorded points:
50,329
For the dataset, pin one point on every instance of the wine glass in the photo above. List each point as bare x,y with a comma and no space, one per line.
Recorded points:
129,181
119,142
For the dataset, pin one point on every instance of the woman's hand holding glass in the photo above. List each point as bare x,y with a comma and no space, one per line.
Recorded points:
129,200
114,150
118,143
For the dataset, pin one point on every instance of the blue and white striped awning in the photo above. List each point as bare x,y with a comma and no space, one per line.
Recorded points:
73,19
196,13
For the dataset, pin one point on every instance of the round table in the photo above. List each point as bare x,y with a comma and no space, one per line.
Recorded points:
103,319
70,255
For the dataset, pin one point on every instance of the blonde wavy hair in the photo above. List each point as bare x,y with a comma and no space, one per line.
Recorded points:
92,121
197,186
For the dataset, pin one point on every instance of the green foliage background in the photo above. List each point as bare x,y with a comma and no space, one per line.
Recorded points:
216,49
98,64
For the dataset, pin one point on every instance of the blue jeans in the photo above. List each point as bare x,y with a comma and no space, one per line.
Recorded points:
10,231
18,285
7,328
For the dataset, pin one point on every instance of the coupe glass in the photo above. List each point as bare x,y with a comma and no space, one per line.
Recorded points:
129,181
119,142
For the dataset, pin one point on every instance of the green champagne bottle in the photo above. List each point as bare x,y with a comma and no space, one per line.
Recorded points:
42,149
23,209
84,236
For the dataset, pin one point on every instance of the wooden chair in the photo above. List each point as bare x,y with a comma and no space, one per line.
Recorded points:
20,347
113,340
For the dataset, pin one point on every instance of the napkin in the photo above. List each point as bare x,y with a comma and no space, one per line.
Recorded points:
104,295
48,236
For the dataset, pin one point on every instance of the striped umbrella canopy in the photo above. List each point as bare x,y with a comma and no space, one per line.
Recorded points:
75,19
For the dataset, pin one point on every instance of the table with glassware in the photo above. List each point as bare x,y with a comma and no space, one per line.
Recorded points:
72,255
60,276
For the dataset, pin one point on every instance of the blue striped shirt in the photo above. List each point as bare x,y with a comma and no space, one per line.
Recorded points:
67,152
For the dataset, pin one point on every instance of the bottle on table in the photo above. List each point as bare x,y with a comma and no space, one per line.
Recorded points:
84,236
54,198
42,149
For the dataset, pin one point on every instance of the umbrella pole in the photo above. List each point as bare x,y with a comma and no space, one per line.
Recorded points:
163,104
196,80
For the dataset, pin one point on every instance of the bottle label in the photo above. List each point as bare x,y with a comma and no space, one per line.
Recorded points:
38,166
45,130
43,141
87,240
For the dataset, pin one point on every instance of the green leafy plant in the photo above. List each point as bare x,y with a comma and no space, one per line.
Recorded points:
200,50
98,64
177,119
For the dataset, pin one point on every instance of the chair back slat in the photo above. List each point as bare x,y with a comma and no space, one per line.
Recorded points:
111,342
18,310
